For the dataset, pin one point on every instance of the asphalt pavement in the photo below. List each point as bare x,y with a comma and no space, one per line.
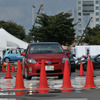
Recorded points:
31,92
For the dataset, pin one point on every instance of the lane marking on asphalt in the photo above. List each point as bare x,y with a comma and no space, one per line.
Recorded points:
73,99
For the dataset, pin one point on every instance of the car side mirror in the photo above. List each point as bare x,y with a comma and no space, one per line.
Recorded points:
68,53
23,54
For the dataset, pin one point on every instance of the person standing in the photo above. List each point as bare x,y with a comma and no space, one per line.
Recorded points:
87,56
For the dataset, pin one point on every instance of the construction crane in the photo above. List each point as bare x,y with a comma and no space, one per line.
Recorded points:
80,40
41,5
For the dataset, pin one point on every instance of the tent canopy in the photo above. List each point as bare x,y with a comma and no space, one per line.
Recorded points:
9,41
12,45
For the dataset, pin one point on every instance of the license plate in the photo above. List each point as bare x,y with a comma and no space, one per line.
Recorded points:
49,68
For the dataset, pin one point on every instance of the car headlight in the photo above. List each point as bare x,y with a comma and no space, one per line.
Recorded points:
31,61
63,60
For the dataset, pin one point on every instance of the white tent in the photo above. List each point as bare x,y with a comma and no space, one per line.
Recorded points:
8,41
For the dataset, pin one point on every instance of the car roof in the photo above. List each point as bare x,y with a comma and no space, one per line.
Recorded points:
39,43
13,49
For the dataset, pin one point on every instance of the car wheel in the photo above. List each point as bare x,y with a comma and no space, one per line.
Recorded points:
85,67
7,60
27,77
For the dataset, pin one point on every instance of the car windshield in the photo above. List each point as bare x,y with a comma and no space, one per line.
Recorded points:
45,49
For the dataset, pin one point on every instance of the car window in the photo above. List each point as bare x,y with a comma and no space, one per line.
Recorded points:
45,49
18,52
11,52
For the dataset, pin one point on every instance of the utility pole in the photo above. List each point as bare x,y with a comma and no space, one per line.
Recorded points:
80,40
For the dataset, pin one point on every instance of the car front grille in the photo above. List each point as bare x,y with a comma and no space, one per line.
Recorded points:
51,63
55,71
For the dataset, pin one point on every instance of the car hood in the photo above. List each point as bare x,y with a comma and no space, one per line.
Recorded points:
47,56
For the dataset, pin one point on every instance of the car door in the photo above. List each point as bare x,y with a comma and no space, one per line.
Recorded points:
11,55
96,62
18,55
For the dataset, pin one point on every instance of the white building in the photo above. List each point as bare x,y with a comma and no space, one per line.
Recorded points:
85,9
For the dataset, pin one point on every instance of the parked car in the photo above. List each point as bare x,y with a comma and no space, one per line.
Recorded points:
12,55
51,52
94,59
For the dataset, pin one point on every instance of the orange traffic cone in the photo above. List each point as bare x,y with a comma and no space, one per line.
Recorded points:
66,77
92,68
19,93
4,68
19,77
43,91
13,68
89,77
81,70
43,79
8,74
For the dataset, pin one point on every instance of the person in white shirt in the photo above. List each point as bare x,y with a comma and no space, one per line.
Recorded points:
87,56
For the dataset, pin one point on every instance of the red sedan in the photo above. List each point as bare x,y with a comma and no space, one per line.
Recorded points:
51,52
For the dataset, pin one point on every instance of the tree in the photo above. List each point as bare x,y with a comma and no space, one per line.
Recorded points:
58,28
14,29
92,36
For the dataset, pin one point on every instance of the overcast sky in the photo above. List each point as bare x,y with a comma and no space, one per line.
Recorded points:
20,11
